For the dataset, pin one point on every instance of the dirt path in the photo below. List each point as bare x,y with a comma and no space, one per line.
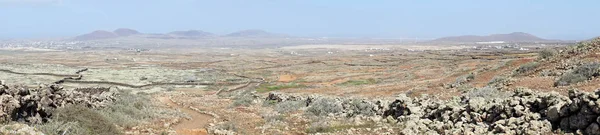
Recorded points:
194,126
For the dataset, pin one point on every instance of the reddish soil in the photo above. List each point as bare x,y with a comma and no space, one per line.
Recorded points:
194,126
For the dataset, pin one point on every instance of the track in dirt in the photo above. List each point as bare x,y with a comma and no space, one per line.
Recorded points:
194,126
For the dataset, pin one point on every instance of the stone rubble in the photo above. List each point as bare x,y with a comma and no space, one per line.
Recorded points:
34,105
523,112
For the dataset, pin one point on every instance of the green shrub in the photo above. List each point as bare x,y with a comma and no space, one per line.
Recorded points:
488,93
243,100
61,127
579,74
319,127
90,121
129,110
323,107
546,54
359,82
271,87
527,67
289,106
360,108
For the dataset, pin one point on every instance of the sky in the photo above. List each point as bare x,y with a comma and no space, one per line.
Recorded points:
553,19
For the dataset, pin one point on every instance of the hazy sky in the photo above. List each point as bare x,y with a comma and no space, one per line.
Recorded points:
558,19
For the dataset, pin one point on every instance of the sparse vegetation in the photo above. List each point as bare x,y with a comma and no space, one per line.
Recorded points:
230,125
273,87
546,54
127,111
325,127
525,68
243,99
89,121
289,106
488,93
579,74
360,108
323,107
359,82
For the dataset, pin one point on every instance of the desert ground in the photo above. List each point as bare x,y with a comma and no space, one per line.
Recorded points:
278,90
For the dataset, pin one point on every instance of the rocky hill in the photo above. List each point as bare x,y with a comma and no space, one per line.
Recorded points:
125,32
191,33
96,35
511,37
102,34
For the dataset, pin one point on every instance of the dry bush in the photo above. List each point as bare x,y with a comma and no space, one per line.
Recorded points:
243,99
527,68
61,127
129,110
580,74
488,93
90,121
360,108
546,54
289,106
324,106
319,127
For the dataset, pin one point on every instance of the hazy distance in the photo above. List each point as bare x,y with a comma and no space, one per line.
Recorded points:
551,19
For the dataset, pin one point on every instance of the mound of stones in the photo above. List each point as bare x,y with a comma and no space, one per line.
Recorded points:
524,112
34,105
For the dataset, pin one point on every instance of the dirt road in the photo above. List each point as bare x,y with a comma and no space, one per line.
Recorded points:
194,126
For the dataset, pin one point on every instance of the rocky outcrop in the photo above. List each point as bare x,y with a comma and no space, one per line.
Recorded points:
34,105
523,112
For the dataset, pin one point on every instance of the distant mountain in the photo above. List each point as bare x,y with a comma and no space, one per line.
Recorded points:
96,35
511,37
126,32
191,33
255,33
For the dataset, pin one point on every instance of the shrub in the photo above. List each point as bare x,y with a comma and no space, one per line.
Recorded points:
289,106
91,122
527,67
359,82
128,110
323,107
270,87
243,100
360,108
579,74
488,93
546,54
227,126
319,127
61,127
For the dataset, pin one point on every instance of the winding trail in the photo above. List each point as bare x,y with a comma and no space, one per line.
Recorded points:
194,126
